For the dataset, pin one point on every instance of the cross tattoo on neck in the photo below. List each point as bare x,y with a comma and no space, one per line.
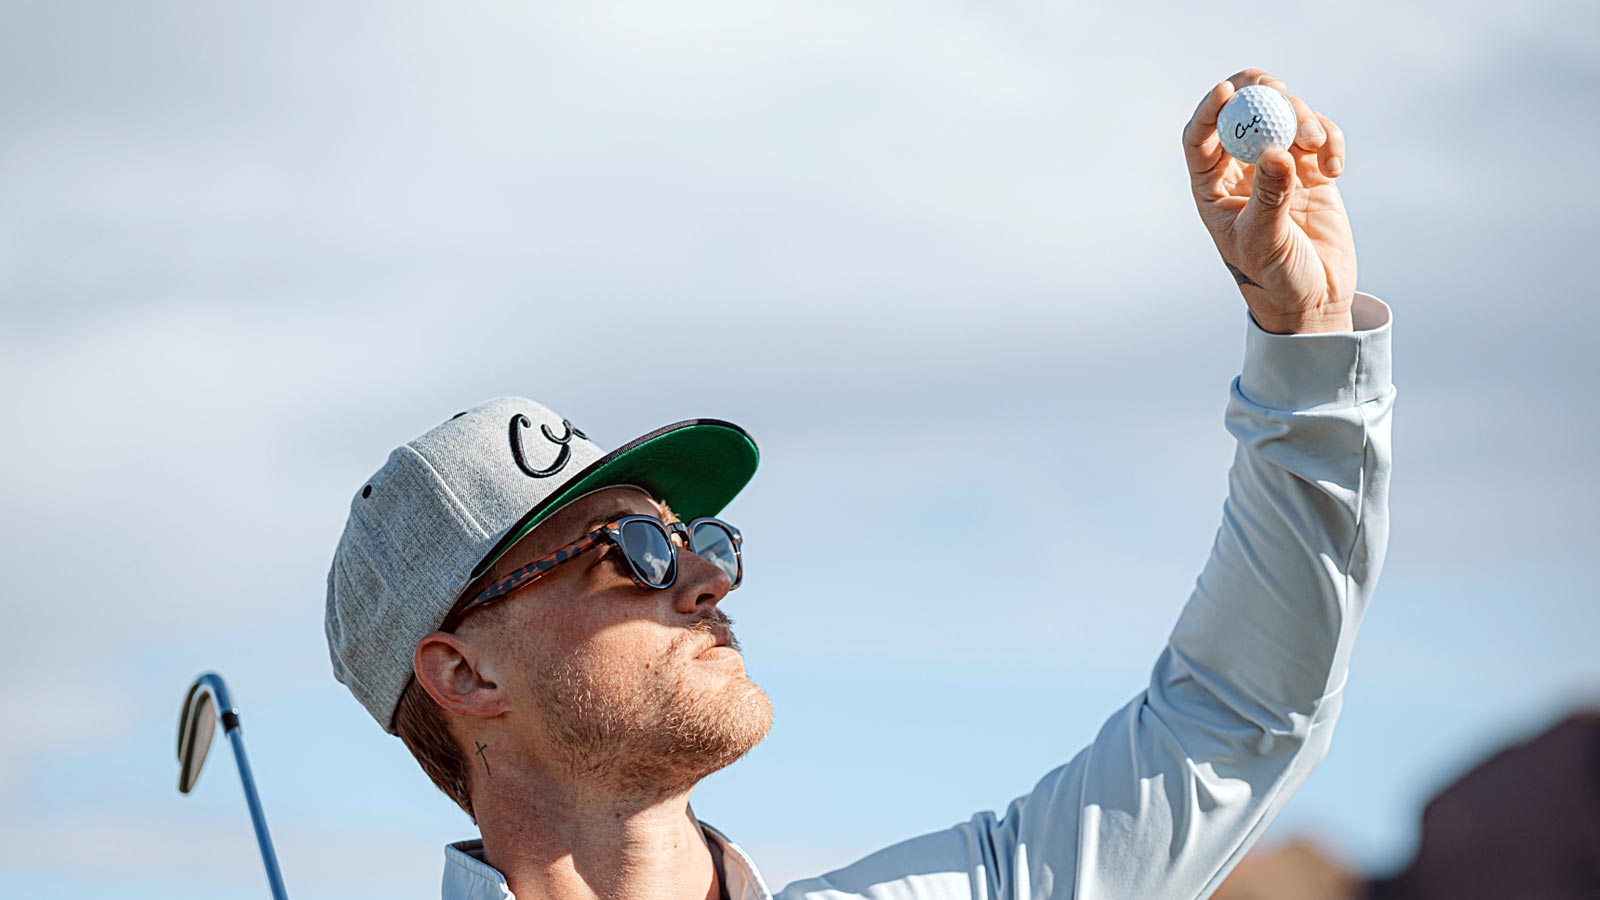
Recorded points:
482,747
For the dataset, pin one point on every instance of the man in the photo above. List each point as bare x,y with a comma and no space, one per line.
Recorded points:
541,622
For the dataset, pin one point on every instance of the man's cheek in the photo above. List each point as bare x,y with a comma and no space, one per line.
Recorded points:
608,672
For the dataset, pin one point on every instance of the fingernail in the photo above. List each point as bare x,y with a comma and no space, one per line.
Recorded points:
1334,165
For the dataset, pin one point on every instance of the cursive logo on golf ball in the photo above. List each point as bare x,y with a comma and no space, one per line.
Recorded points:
1254,118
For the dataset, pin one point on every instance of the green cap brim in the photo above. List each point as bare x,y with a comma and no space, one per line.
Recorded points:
696,467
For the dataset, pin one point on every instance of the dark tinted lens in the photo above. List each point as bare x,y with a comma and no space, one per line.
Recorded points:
712,542
648,550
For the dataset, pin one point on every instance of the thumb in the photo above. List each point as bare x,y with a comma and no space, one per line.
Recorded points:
1267,212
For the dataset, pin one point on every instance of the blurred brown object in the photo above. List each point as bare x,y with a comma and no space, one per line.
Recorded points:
1525,825
1522,825
1295,871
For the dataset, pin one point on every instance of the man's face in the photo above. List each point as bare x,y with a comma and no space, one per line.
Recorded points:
613,681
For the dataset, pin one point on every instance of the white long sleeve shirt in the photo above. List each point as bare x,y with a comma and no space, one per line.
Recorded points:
1241,704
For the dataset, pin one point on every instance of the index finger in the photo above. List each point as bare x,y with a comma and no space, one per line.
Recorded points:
1201,145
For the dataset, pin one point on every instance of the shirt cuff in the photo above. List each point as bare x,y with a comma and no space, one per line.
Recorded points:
1320,371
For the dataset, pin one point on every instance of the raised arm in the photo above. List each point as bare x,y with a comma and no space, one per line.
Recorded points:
1241,704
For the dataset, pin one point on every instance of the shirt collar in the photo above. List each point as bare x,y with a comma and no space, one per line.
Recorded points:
740,877
468,877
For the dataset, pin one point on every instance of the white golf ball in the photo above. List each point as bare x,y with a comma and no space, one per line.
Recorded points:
1254,118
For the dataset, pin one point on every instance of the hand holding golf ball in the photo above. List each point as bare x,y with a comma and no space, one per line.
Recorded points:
1262,165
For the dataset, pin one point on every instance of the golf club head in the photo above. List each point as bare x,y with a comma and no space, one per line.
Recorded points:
197,725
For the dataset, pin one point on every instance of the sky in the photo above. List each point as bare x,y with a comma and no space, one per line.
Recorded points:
939,258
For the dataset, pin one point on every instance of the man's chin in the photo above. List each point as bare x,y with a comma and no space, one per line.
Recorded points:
742,719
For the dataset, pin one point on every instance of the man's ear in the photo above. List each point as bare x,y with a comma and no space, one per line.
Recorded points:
452,674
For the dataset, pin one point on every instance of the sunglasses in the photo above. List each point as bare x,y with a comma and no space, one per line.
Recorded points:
645,543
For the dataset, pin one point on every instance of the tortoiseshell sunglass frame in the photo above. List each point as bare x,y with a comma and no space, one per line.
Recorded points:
609,533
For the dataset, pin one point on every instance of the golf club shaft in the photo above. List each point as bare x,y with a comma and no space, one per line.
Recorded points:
269,857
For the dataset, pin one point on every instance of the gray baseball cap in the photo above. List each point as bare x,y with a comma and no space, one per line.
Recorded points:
445,506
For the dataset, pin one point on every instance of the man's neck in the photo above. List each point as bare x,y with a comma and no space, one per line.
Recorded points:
577,844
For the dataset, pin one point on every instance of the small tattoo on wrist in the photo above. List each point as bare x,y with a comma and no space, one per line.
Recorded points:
1239,277
483,756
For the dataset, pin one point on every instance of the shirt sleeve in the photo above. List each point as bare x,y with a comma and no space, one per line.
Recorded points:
1241,703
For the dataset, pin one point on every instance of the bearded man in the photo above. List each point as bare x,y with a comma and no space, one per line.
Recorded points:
541,623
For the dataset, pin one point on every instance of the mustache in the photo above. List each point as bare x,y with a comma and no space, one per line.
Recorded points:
709,622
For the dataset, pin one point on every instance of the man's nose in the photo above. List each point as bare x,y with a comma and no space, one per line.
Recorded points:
700,582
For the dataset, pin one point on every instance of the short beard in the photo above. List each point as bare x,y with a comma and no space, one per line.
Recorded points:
663,737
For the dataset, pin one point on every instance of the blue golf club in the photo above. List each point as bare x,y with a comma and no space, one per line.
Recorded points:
207,699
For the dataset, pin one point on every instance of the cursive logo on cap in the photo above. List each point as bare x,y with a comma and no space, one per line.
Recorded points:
519,422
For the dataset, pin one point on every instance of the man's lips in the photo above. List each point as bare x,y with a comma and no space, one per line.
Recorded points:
721,636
